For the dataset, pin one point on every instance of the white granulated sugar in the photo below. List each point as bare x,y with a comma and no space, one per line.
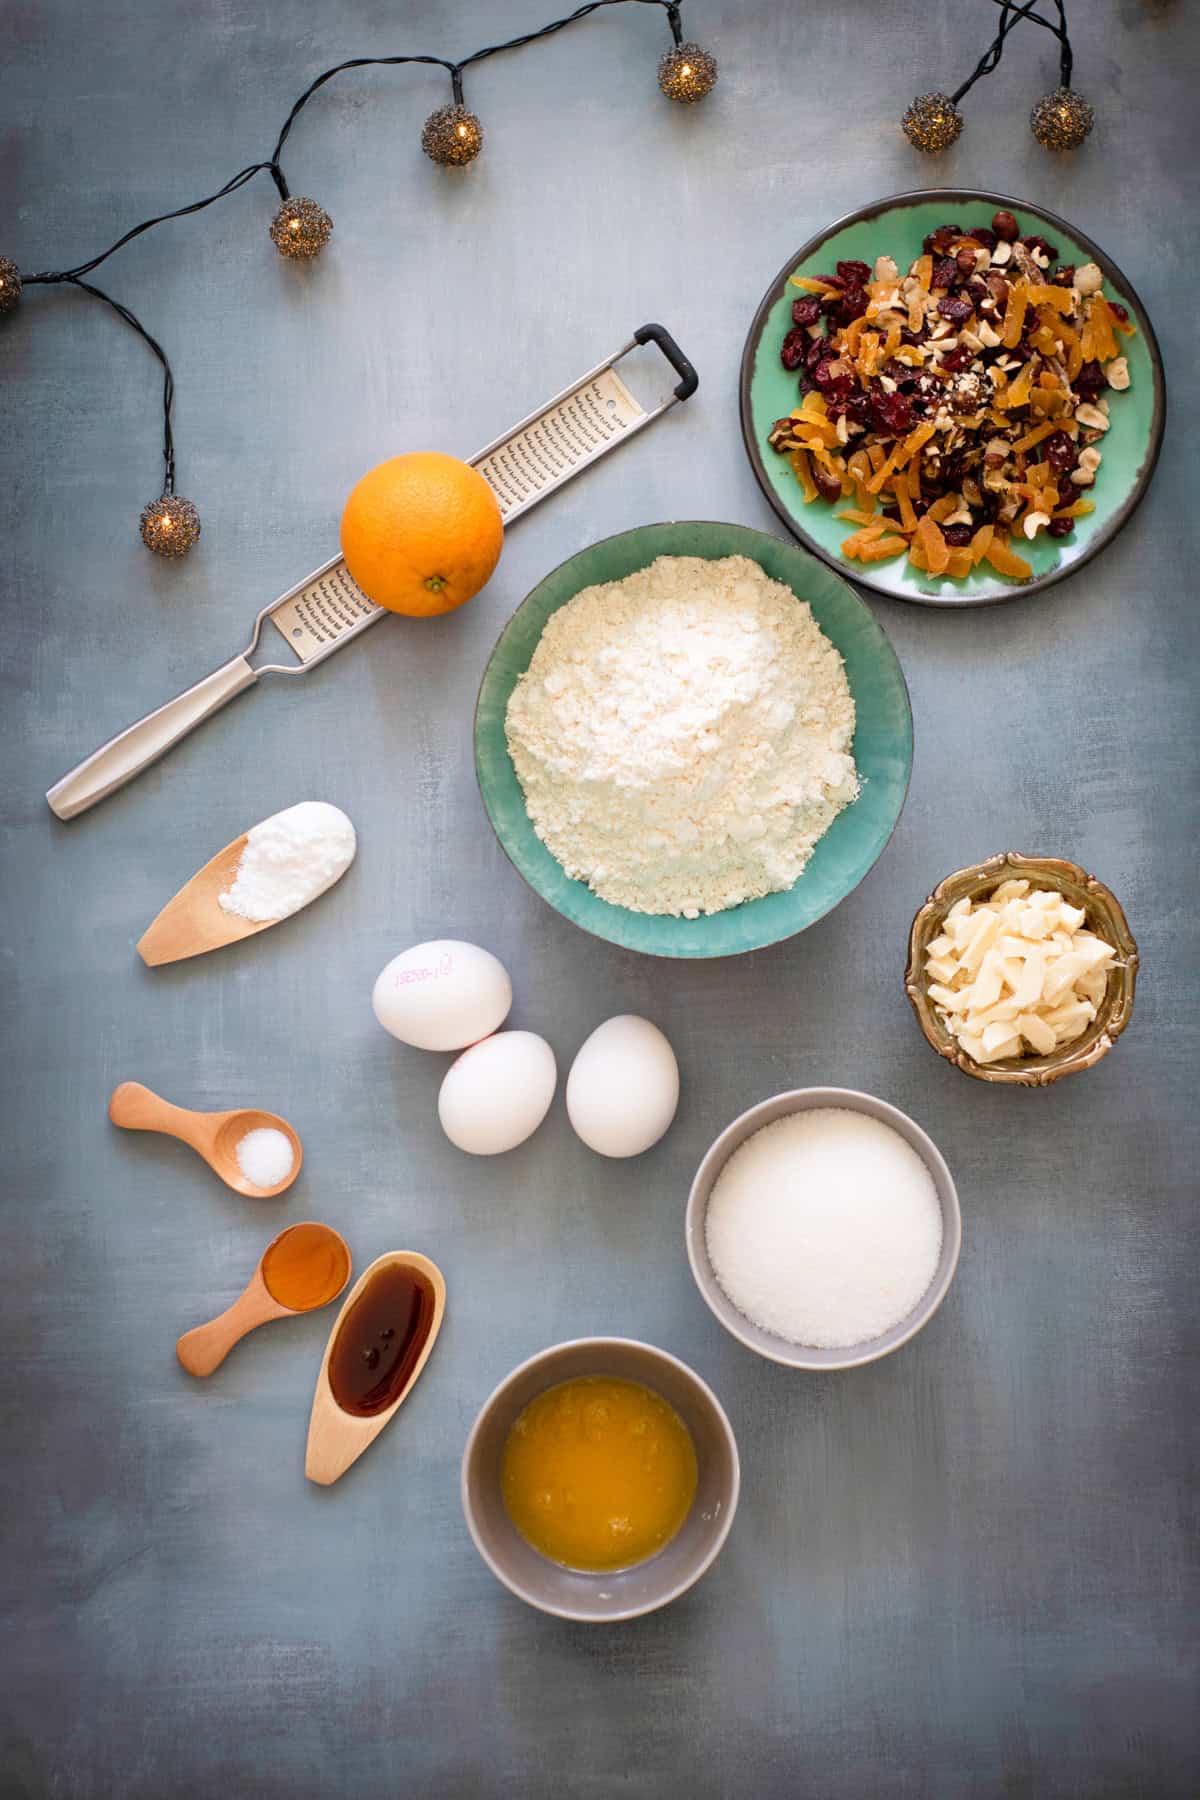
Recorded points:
289,859
825,1228
265,1156
684,737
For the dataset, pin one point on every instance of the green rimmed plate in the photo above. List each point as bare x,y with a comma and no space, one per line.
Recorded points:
882,745
895,227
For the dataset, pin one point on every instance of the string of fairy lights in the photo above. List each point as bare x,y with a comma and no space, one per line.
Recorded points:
1059,121
452,136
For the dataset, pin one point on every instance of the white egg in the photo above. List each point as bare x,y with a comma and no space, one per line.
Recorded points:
623,1087
498,1092
442,995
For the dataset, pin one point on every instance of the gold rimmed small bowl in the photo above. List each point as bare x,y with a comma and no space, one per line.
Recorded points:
1104,916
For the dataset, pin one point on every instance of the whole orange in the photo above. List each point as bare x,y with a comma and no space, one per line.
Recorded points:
421,533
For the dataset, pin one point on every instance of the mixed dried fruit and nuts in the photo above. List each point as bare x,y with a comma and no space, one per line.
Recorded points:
957,407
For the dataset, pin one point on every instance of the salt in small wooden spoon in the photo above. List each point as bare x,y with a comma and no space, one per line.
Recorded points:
336,1437
213,1135
305,1267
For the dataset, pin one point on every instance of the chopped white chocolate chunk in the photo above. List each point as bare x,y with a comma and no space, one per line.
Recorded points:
1017,969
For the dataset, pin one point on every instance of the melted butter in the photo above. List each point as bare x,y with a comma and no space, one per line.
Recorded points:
598,1473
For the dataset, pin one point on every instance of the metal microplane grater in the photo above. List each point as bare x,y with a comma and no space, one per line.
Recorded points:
328,608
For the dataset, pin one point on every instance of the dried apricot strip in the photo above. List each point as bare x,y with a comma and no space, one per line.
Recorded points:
802,470
812,286
1017,393
1005,561
883,548
942,508
1014,314
1044,294
908,517
933,544
980,542
1033,437
960,563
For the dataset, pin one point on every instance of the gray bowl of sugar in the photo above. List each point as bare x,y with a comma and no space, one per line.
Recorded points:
823,1228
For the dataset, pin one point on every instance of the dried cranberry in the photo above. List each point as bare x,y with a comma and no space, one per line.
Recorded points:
1122,312
983,237
892,411
958,536
792,350
944,273
834,378
939,241
858,408
831,306
899,372
1060,528
959,358
954,467
1090,382
854,274
805,384
955,308
912,337
1050,251
816,350
855,301
830,280
1005,226
1065,276
1061,453
806,311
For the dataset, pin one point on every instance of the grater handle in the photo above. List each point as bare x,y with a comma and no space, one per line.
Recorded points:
659,335
134,749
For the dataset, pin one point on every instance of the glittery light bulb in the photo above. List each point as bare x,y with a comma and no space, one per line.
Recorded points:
932,123
300,228
1061,120
169,525
10,284
452,136
687,73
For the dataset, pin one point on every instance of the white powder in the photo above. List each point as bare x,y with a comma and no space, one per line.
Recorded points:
684,737
289,859
265,1156
825,1228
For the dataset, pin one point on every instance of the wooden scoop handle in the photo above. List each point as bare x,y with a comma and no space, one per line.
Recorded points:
205,1348
137,1108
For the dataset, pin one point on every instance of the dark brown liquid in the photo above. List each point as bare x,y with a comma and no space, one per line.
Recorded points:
381,1338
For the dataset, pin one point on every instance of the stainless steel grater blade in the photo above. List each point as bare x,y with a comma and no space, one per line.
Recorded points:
325,610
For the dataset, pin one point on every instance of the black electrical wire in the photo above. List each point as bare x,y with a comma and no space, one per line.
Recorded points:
74,276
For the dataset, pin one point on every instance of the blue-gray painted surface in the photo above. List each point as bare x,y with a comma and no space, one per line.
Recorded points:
967,1571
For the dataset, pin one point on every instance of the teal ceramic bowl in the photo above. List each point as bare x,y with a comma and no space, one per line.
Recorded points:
882,745
895,227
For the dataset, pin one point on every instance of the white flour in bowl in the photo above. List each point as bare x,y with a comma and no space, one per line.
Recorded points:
684,737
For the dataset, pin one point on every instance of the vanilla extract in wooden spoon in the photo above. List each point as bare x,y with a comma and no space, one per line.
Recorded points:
377,1349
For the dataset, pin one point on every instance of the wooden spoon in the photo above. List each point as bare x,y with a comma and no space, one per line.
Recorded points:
193,921
337,1438
213,1135
305,1267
